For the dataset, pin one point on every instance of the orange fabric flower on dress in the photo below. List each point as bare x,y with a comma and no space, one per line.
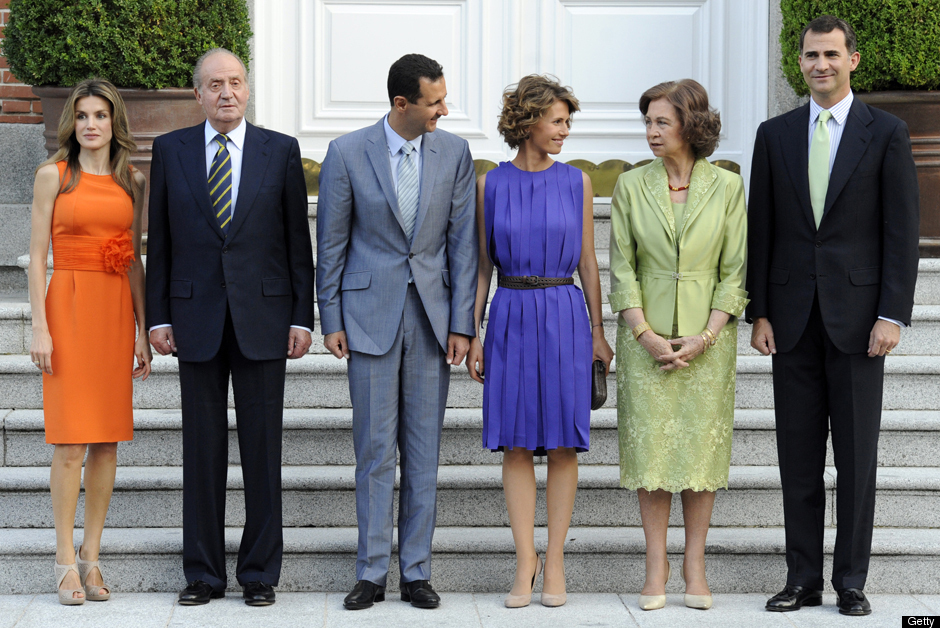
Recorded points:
118,254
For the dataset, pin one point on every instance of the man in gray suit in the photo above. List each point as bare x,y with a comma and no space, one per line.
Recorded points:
397,254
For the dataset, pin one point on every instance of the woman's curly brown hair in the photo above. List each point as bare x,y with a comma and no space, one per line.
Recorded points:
700,124
525,103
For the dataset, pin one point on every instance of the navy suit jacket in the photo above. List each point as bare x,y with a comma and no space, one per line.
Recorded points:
262,270
862,260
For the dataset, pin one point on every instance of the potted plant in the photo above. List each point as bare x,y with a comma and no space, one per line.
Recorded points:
899,72
147,48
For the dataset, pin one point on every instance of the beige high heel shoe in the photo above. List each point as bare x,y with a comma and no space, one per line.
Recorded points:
66,596
700,602
655,602
92,591
553,600
520,601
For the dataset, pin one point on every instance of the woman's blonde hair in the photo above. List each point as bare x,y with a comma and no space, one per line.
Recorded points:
525,103
122,142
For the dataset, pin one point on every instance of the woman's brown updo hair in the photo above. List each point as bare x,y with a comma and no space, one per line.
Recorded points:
701,125
524,105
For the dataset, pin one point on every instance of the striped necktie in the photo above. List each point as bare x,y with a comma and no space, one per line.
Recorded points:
220,184
819,152
408,189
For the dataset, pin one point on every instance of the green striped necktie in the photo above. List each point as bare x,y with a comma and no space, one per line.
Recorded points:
220,184
819,153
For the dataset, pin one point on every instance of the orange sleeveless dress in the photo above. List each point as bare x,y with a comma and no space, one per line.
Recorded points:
88,397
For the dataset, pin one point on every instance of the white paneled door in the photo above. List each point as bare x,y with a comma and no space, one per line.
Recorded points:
320,66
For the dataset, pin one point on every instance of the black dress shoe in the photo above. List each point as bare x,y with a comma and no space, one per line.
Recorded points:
420,594
364,595
853,602
199,592
793,598
258,594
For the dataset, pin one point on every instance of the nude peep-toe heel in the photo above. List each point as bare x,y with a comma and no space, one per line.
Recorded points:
519,601
66,596
92,591
655,602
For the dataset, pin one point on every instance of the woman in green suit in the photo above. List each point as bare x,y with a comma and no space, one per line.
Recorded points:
677,264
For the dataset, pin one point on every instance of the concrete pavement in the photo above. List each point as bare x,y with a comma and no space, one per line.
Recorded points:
459,610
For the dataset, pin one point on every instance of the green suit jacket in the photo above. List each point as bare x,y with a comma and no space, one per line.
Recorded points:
686,274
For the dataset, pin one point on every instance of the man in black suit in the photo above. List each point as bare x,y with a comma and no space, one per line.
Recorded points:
230,283
833,235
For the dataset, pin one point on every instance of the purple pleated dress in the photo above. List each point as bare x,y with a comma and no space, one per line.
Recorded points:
537,346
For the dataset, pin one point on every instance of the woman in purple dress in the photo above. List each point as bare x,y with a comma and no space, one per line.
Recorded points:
536,222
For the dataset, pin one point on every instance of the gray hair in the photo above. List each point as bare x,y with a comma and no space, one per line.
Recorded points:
197,69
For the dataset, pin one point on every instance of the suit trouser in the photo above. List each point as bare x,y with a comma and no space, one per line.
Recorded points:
258,386
818,388
398,403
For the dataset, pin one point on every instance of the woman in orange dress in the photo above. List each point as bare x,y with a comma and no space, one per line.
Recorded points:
88,200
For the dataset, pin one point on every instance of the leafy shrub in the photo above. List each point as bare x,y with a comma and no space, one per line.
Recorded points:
898,40
133,43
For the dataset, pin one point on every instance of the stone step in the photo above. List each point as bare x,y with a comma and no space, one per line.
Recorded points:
740,560
319,381
470,496
909,438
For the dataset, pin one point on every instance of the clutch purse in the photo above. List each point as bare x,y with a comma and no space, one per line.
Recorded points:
598,384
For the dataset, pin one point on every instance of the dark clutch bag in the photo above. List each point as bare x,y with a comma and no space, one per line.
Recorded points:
598,384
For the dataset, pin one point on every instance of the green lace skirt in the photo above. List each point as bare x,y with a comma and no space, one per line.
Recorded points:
675,426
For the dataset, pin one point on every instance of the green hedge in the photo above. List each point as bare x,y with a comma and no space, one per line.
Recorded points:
899,41
133,43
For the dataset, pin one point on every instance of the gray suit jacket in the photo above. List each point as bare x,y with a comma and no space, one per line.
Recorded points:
363,254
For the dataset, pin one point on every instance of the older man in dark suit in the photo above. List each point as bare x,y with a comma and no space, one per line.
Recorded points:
230,289
833,232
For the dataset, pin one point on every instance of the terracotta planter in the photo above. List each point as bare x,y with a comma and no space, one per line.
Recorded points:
150,112
921,111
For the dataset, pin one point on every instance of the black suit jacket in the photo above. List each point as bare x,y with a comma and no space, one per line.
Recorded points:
862,261
262,270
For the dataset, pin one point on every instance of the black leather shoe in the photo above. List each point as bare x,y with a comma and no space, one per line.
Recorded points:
420,594
853,602
364,595
199,592
258,594
793,598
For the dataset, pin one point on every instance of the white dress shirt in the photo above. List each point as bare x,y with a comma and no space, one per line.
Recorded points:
836,125
235,146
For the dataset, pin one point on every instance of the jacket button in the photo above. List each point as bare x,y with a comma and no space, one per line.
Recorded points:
223,284
812,275
225,250
411,255
818,244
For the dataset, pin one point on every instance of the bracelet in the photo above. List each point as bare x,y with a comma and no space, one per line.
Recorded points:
598,325
712,338
639,329
705,341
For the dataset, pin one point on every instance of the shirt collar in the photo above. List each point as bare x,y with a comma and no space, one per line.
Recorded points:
396,141
839,111
236,136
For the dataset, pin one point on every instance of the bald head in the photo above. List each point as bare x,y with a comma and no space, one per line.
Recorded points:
198,77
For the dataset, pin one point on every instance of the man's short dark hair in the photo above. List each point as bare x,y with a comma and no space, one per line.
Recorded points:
404,77
827,24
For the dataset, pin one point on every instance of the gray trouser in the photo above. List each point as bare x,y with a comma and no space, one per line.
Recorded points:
398,403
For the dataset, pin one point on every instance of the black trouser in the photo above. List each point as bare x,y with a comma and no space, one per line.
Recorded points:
817,387
258,386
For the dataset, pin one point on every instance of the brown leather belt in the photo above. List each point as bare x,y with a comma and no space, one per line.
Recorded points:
531,282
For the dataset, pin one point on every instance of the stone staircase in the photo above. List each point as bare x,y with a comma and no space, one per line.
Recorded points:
473,548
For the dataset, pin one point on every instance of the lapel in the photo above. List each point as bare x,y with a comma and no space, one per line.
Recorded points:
795,145
701,186
255,156
377,151
192,156
854,143
429,167
657,182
